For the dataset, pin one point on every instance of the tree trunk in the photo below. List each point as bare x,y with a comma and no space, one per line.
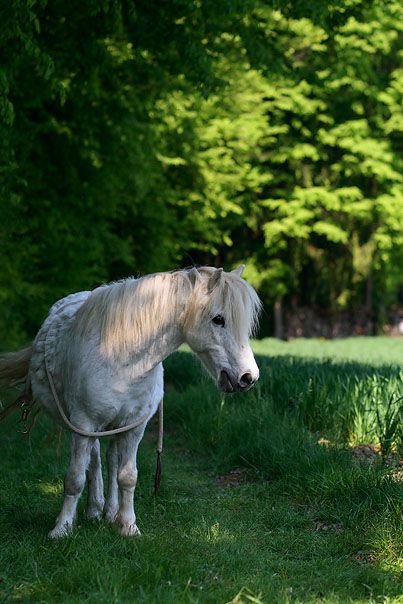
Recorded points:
278,318
369,304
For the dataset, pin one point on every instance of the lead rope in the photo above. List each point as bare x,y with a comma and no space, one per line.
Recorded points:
71,426
158,470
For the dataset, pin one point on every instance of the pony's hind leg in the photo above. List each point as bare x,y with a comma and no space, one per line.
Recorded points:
73,484
112,497
127,445
95,501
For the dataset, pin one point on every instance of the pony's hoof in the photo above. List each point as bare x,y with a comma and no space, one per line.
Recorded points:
94,512
128,530
59,532
95,507
110,515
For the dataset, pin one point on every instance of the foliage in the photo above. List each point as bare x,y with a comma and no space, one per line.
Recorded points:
138,137
331,215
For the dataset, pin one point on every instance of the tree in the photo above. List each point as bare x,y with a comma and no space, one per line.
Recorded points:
138,136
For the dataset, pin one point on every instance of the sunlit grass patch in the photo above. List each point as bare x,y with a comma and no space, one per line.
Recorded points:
373,351
50,488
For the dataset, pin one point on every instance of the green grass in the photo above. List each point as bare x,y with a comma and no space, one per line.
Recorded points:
375,351
307,523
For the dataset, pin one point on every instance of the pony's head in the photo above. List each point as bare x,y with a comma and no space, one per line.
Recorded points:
220,316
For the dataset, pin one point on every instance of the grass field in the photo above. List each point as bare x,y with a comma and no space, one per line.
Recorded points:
262,498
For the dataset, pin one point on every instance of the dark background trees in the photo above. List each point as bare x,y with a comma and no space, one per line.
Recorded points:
137,137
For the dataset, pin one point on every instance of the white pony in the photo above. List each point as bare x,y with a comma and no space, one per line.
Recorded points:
102,353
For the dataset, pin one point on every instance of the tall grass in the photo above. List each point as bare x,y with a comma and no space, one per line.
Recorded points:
274,429
345,402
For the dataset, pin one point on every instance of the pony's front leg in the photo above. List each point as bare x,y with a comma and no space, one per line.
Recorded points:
127,445
73,484
95,502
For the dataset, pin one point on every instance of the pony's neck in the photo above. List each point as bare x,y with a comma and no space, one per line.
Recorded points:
153,352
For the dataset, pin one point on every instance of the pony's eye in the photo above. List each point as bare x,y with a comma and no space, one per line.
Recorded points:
219,320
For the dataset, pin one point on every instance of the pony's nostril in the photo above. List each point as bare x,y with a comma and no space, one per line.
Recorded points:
246,380
224,382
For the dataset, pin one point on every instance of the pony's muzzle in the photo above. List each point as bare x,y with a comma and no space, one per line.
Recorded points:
245,382
224,382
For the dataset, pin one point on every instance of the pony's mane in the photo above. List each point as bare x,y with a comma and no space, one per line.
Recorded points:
129,313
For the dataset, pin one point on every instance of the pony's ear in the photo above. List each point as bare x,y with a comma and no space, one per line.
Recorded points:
214,280
193,275
238,271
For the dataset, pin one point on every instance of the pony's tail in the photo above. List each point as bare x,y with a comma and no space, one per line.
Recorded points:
14,371
14,367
